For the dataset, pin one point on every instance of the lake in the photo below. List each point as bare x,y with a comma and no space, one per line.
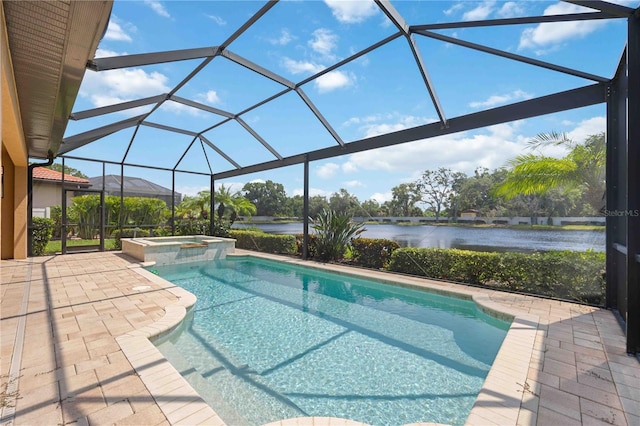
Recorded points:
479,239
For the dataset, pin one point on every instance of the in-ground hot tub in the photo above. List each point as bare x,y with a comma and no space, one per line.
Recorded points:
182,249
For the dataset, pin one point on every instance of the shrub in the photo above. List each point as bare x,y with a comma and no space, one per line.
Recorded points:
312,248
334,233
127,233
373,253
569,275
201,227
41,232
261,241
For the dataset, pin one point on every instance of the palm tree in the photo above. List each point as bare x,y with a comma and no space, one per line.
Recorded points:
536,174
234,203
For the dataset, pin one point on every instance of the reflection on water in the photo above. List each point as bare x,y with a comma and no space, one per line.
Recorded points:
479,239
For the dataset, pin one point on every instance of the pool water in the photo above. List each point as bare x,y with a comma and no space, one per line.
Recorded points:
268,341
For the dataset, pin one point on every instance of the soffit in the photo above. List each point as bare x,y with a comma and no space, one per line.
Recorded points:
50,43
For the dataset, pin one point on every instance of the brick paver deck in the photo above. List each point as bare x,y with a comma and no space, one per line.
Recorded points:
74,349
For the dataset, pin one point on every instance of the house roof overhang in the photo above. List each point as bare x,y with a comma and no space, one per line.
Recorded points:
50,44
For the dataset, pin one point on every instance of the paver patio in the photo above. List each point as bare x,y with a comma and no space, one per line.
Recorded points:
74,349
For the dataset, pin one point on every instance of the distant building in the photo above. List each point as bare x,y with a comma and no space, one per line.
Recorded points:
134,187
468,214
47,187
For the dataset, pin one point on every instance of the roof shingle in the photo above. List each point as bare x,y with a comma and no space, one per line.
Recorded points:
41,173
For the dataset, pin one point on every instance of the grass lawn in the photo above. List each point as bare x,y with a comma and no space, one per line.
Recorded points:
56,246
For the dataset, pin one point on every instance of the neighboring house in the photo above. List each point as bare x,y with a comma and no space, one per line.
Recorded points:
47,188
134,187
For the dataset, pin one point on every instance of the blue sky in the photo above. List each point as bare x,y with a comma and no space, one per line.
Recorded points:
378,93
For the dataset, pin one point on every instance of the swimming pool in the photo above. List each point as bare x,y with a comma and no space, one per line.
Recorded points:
268,341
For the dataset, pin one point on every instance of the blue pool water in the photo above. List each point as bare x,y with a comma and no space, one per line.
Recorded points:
268,341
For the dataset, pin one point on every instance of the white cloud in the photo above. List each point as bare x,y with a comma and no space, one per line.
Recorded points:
334,80
324,42
116,86
116,32
353,184
456,7
495,100
211,97
379,124
178,108
588,127
190,191
283,39
104,53
217,19
327,170
382,197
298,67
510,9
351,12
549,35
158,8
312,192
482,11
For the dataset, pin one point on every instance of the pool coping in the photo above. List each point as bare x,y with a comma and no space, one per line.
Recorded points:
503,393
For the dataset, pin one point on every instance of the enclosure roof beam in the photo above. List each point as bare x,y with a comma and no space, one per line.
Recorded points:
319,116
81,139
350,58
219,151
515,21
605,6
562,101
169,128
402,25
515,57
257,69
393,15
201,106
195,138
142,59
259,14
81,115
258,138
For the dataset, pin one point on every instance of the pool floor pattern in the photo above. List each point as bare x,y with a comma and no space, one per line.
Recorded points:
74,348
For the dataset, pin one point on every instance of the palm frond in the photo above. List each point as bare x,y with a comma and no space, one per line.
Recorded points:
552,138
536,175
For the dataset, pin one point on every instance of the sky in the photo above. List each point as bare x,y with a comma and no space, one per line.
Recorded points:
378,93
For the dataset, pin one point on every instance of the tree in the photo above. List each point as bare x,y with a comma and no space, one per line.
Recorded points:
436,187
536,174
317,204
371,208
343,203
475,192
67,170
269,197
404,198
233,204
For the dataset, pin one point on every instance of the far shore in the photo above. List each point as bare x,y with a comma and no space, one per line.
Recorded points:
595,228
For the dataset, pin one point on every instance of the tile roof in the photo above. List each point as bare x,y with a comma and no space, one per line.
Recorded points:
41,173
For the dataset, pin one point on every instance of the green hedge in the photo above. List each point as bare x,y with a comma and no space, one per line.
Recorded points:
373,253
568,275
41,231
127,233
261,241
201,227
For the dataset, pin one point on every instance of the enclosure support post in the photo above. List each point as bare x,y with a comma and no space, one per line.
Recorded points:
121,221
614,141
63,220
633,184
173,202
305,211
212,201
102,207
